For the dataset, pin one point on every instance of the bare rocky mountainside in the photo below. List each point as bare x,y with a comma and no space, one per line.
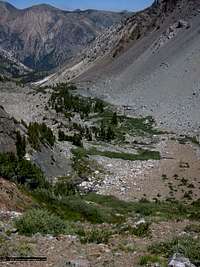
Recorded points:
43,37
100,160
10,67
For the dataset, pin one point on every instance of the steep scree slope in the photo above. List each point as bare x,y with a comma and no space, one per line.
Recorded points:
151,63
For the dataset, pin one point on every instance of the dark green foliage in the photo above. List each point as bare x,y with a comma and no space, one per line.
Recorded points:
62,100
61,136
142,155
114,120
40,133
110,134
65,188
21,171
88,134
99,106
20,145
76,139
106,133
41,221
169,210
72,206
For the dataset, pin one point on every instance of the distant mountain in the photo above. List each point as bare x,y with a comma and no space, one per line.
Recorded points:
43,37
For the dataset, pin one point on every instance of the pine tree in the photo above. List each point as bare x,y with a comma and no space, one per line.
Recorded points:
114,119
110,135
20,145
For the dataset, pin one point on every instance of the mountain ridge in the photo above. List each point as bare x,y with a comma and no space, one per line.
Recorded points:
43,37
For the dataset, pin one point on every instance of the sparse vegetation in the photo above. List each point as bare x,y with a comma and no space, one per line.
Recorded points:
8,248
107,125
62,100
21,171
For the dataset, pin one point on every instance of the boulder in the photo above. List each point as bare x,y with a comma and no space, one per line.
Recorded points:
180,261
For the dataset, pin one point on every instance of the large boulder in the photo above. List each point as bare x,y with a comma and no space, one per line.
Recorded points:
180,261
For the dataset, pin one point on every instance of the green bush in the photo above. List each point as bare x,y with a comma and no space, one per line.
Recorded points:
41,221
146,259
142,230
97,236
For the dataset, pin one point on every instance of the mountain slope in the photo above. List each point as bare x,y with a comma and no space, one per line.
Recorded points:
10,67
43,37
7,132
152,66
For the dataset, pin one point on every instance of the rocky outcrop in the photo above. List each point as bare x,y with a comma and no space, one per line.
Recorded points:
180,261
7,132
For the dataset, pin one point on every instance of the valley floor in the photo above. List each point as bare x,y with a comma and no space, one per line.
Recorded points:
173,176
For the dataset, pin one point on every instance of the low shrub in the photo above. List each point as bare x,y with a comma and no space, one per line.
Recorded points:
147,259
41,221
97,236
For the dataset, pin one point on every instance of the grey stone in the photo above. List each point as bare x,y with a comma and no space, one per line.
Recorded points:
180,261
